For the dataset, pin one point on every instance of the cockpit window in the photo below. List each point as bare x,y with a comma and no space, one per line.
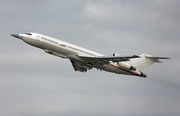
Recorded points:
28,33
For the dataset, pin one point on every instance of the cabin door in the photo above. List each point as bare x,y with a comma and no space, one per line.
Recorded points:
38,37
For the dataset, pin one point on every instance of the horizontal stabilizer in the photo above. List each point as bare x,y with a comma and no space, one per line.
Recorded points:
156,59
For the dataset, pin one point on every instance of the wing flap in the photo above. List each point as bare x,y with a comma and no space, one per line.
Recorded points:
106,59
79,66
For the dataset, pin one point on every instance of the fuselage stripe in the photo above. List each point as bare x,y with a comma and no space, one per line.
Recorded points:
124,70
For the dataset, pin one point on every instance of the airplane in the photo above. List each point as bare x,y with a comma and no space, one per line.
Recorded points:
83,59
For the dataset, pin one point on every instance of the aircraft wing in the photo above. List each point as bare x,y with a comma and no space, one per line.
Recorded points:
106,59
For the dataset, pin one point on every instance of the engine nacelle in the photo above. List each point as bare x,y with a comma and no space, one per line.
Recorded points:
126,66
116,54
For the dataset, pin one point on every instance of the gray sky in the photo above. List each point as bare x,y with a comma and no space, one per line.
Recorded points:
33,83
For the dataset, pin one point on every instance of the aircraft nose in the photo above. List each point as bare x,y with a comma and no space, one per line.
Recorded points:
15,35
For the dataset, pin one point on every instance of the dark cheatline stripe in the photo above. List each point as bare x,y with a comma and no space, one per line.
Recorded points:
124,70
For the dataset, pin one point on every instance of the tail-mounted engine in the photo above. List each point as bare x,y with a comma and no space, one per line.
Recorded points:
126,66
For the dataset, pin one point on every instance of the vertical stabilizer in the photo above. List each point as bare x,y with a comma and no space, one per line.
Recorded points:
145,61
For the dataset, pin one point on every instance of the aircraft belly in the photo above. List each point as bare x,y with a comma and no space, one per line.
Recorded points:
33,42
115,70
59,51
47,46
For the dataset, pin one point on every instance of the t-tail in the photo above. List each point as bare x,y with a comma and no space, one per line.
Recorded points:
145,61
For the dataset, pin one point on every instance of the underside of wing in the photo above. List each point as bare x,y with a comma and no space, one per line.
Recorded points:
106,59
80,66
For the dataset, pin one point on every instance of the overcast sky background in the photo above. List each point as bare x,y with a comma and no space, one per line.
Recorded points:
33,83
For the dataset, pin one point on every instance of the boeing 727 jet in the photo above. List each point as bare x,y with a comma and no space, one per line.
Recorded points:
83,59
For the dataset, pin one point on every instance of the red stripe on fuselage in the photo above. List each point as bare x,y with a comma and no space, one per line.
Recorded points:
124,70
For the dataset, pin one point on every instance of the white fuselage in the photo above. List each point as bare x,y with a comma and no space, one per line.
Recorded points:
66,50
